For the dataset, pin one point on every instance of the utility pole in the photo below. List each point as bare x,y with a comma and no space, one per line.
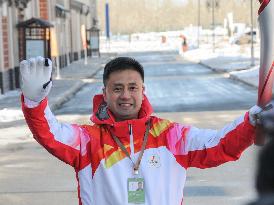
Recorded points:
252,36
213,25
107,20
107,25
199,23
212,4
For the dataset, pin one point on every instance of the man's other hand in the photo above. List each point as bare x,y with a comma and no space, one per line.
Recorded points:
258,115
253,114
267,119
36,78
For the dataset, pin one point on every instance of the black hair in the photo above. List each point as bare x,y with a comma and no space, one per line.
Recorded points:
120,64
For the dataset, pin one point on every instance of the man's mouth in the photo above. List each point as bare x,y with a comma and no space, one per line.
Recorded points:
125,104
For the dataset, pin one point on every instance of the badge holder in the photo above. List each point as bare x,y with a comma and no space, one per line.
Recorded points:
136,184
136,190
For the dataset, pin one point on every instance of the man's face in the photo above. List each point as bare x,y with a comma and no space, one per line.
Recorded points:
124,94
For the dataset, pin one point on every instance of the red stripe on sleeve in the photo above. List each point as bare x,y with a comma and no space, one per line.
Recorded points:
229,148
41,132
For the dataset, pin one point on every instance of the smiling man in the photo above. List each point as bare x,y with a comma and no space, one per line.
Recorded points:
124,90
126,145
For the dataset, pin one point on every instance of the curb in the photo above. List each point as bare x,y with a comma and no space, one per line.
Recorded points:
54,104
220,70
211,68
235,77
66,96
231,76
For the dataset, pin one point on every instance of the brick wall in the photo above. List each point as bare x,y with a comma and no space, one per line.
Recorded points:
5,42
43,4
9,77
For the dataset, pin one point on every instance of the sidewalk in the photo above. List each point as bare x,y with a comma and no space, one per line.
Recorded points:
232,59
72,79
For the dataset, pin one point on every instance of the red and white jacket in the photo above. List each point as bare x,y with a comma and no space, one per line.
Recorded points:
102,168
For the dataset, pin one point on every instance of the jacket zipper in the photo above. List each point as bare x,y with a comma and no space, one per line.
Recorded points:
131,140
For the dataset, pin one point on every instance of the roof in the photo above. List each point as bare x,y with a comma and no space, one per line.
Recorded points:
93,28
61,7
35,23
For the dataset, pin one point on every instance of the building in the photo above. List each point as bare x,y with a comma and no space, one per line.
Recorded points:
50,28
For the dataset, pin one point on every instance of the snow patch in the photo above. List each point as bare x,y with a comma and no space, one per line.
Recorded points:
8,115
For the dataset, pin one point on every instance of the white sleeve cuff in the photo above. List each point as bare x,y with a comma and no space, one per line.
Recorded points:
29,103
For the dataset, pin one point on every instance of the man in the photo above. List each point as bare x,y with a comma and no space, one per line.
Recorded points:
126,144
140,186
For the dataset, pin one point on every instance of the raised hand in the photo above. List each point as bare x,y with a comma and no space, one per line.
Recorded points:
36,78
266,118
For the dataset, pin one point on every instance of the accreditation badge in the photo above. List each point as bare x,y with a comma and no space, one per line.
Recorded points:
136,190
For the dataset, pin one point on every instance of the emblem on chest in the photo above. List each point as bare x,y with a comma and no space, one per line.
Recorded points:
154,161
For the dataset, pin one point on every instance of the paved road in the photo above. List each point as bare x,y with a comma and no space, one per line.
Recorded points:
178,90
174,85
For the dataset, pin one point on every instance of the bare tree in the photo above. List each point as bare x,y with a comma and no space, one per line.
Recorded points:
131,16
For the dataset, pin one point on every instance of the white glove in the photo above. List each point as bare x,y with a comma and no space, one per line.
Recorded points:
36,78
261,116
266,118
253,114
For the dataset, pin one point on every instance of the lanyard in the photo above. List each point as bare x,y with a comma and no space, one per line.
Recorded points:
120,144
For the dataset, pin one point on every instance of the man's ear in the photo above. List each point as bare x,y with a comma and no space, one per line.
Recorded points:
104,94
143,92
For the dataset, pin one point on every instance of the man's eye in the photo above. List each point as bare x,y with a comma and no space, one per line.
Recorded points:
133,88
117,89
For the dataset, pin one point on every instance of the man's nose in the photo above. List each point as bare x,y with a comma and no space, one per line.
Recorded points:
125,94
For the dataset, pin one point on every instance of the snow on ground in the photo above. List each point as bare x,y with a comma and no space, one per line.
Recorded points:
10,94
8,115
250,76
139,45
